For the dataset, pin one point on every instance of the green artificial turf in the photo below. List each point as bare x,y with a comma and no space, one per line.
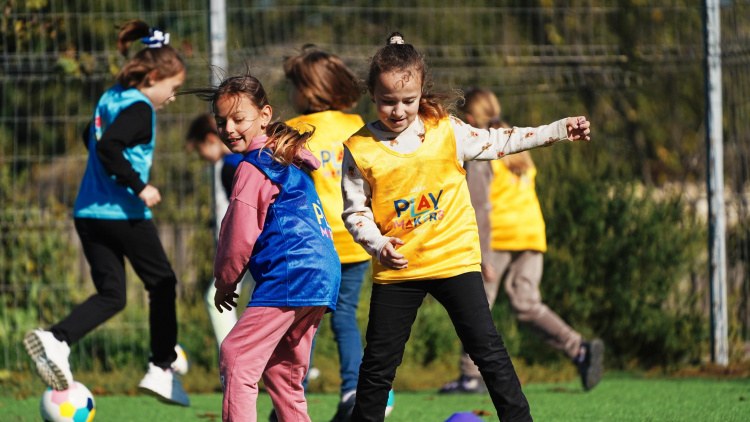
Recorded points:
620,397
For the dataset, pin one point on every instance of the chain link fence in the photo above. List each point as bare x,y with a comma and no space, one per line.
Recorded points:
544,59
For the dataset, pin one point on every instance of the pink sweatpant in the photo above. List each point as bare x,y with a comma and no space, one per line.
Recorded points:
273,343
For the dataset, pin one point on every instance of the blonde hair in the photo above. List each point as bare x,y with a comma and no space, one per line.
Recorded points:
284,142
397,56
483,106
323,79
159,63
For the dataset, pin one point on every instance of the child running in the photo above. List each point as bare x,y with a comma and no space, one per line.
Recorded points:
512,239
322,86
276,228
406,202
113,219
204,137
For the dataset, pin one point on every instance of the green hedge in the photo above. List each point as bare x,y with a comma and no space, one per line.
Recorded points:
618,267
620,260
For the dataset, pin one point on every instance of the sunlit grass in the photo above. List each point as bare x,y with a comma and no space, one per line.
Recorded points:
620,397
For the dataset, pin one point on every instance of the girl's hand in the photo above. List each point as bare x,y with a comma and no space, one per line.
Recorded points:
489,273
226,300
390,258
150,195
578,128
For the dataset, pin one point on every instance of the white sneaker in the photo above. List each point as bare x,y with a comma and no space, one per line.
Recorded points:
51,358
313,373
180,365
389,405
164,385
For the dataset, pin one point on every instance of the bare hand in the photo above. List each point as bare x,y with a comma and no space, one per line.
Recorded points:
150,195
578,128
226,300
489,273
390,258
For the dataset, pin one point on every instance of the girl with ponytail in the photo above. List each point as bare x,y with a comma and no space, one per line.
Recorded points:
113,218
274,227
406,202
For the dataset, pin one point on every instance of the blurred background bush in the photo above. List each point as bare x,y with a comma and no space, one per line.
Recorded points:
625,213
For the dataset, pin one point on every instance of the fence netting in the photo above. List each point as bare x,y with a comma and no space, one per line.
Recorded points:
542,58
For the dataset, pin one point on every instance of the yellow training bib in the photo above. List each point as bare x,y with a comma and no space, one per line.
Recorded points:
332,128
516,218
422,199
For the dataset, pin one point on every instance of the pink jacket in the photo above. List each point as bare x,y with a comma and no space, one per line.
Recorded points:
252,194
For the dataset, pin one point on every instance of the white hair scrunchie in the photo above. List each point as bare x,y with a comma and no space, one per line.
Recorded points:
396,39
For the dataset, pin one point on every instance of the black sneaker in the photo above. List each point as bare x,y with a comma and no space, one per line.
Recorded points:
272,417
464,385
590,362
344,411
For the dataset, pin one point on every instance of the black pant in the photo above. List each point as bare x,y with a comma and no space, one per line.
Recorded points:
106,243
393,309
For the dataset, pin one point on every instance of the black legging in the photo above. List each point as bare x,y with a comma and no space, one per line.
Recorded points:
106,243
393,309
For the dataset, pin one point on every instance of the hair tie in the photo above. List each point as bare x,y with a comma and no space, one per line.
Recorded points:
396,39
157,39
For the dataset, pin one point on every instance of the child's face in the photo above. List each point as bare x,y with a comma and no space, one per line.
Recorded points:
239,121
161,92
396,96
211,149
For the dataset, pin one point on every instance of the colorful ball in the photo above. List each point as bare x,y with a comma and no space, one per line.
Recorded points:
76,404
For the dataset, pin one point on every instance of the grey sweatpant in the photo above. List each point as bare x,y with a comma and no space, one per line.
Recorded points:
522,273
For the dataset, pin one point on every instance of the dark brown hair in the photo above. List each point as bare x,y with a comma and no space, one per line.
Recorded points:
397,56
284,141
165,60
200,128
323,79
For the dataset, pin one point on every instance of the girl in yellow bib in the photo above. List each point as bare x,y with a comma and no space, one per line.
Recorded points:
512,238
322,86
406,202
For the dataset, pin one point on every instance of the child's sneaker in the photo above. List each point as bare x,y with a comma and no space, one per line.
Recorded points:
390,403
51,358
164,385
464,385
180,365
345,408
590,362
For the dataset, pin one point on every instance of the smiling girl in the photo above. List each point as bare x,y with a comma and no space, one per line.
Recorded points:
275,228
406,202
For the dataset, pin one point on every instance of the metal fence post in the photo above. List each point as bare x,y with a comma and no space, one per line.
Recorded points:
715,182
218,47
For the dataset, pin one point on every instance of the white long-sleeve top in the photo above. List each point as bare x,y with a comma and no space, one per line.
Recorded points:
471,144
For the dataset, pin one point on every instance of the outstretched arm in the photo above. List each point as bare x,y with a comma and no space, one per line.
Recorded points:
492,144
